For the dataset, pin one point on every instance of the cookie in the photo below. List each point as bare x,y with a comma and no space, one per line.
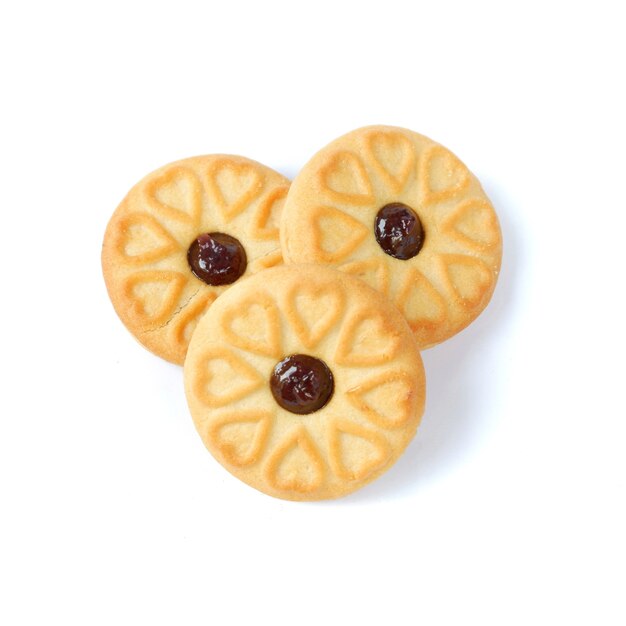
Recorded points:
182,236
304,382
401,212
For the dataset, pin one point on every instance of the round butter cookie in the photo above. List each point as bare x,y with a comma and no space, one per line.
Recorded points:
182,236
304,382
404,214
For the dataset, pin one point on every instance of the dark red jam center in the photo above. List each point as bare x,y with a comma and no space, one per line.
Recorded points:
399,231
302,384
217,259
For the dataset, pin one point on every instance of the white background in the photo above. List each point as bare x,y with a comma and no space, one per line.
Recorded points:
508,507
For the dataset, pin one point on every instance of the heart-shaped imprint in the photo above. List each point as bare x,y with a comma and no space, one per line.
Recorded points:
335,235
302,307
175,194
221,377
240,436
393,156
154,294
373,271
264,224
140,239
253,325
343,177
386,400
232,186
295,464
442,175
367,339
355,452
474,224
469,278
423,306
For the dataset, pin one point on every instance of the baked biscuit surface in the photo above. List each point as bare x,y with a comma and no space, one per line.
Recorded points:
145,252
275,322
334,208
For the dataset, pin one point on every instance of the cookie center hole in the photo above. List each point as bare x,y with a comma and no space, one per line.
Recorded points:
302,384
399,231
217,258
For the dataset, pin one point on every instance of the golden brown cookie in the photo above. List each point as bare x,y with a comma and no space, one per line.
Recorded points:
404,214
304,382
182,236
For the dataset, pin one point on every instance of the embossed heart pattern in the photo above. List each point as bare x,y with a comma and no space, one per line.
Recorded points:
405,215
304,382
299,311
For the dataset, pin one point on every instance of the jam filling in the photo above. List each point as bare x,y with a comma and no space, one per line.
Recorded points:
217,259
302,384
399,231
